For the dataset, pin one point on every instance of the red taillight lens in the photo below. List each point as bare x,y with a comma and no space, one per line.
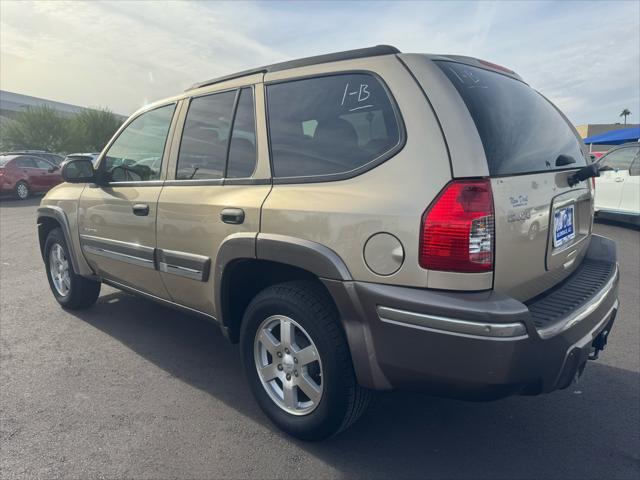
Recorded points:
458,229
1,172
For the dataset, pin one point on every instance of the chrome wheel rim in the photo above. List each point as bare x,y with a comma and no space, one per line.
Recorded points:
59,270
288,365
23,191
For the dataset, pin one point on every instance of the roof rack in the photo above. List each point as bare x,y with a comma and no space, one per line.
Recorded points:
303,62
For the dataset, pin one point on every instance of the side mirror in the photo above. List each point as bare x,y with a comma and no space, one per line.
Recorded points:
78,170
53,168
583,174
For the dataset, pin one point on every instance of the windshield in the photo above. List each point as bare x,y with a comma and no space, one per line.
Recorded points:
521,131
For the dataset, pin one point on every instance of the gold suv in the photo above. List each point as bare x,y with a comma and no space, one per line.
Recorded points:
359,221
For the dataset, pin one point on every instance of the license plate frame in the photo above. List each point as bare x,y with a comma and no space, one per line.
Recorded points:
564,226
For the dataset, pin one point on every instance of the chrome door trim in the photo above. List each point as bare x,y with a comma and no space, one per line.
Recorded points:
127,252
123,257
188,265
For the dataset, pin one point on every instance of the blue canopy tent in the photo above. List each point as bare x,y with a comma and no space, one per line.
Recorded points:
615,137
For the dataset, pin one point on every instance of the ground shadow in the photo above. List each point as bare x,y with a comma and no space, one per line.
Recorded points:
579,432
12,202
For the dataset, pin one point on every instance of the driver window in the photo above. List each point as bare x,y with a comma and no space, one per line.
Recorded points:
136,155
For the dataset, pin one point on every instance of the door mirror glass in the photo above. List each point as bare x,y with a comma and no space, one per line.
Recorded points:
78,171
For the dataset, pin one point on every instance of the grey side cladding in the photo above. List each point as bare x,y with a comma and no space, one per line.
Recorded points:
239,246
58,214
188,265
311,256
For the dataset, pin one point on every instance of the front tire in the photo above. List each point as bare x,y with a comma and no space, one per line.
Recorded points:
297,361
70,289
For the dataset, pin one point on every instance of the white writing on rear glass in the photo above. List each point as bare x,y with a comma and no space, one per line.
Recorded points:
360,95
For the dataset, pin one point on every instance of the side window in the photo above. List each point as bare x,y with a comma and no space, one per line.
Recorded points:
42,164
329,125
26,162
242,149
619,159
136,155
203,148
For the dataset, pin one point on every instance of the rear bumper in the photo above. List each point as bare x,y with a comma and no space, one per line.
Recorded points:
479,344
5,185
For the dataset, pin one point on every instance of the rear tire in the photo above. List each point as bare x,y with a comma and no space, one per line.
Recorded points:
22,191
70,289
309,308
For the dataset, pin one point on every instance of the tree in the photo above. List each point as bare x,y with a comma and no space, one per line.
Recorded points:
43,128
39,128
92,129
624,114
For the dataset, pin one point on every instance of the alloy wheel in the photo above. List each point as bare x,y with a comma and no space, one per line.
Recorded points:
288,365
59,270
22,190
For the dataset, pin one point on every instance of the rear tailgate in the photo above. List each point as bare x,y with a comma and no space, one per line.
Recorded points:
542,225
536,244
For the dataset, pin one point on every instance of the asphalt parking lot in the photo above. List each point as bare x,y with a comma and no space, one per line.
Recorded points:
130,389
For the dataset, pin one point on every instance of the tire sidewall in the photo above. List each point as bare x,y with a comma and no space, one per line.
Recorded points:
56,237
328,416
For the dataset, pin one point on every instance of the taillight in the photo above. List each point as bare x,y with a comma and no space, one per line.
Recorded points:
458,228
1,172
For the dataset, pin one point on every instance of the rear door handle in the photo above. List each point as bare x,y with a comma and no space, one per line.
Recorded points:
141,209
234,216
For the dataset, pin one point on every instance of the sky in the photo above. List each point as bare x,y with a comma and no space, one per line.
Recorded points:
584,56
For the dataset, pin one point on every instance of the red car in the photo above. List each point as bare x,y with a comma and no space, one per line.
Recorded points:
23,175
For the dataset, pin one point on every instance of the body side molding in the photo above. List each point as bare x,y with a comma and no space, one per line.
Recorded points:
183,264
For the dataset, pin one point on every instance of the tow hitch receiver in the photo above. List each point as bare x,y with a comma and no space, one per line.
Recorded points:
599,343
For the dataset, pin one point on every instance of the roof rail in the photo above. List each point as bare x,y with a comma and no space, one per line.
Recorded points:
303,62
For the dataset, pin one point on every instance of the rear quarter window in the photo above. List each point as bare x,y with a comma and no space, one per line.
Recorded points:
521,131
330,125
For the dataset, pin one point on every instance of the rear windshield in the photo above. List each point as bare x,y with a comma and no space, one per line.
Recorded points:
521,131
4,159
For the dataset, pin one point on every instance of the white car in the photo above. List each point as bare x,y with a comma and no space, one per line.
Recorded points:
618,186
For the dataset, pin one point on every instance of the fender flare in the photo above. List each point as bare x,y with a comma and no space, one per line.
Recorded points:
59,215
305,254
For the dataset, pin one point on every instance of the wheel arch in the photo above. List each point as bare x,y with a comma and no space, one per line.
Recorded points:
248,263
51,217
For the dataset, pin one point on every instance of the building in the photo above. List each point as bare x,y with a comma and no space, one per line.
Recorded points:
592,129
13,103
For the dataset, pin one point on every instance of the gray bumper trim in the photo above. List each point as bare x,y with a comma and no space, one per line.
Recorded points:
584,312
452,326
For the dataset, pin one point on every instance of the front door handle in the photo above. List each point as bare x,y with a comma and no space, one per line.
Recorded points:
619,179
234,216
141,209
